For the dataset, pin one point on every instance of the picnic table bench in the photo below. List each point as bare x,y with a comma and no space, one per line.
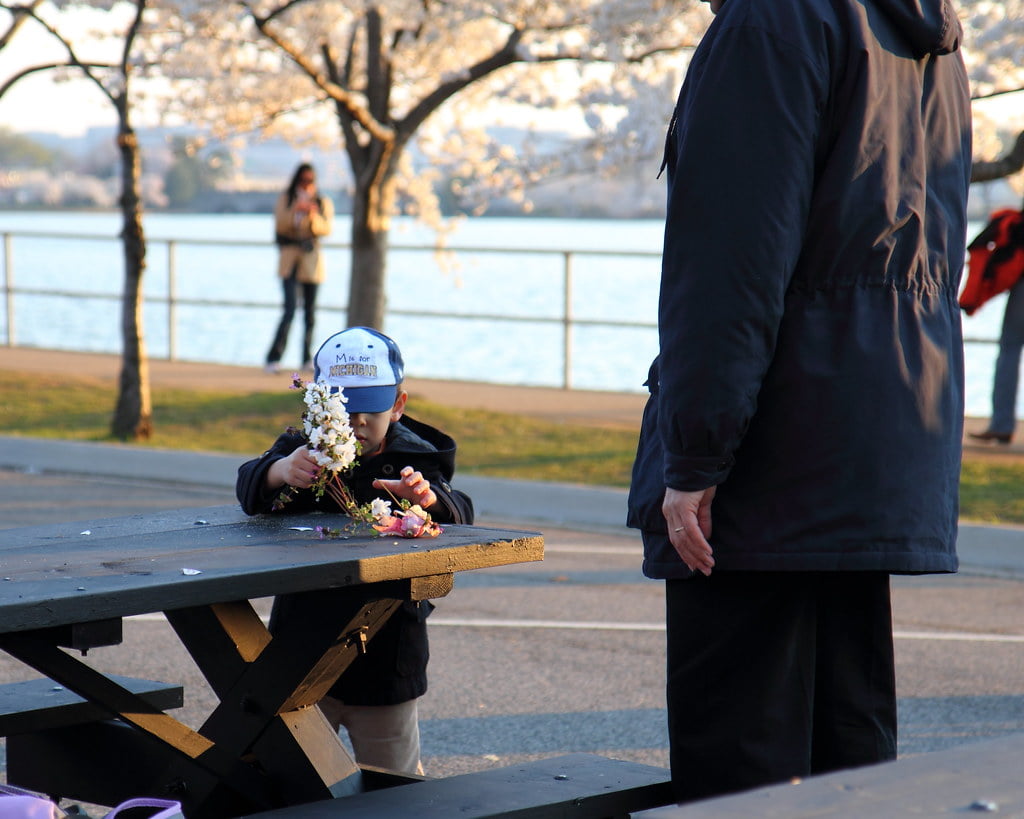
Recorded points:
52,734
574,785
973,779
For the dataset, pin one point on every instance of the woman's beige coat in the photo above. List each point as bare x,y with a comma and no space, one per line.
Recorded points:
300,226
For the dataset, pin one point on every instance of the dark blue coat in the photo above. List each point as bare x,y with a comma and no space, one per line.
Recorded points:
810,358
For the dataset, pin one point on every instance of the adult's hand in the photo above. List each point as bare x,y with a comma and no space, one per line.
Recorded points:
688,515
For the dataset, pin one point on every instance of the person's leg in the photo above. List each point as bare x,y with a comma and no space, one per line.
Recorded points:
740,681
855,677
309,292
288,286
1007,372
383,736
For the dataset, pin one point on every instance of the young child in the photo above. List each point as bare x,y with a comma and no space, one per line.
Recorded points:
375,699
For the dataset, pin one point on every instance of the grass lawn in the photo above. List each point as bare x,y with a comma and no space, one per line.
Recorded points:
490,443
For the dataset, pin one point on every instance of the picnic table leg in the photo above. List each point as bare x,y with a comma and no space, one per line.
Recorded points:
264,693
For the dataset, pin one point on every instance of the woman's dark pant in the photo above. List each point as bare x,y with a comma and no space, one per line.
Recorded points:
309,291
776,675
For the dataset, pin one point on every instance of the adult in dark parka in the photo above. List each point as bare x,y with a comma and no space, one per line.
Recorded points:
807,399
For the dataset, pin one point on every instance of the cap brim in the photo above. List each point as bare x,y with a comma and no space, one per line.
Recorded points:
370,399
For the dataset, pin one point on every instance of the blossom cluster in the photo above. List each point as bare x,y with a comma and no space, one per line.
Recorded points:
326,426
408,522
333,445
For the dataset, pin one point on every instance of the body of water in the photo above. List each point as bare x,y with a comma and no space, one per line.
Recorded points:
521,296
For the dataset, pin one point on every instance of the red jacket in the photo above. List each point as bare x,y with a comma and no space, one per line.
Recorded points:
997,259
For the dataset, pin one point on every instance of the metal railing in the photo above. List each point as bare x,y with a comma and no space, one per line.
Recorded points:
172,301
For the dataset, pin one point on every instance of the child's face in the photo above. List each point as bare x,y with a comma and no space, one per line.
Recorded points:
370,428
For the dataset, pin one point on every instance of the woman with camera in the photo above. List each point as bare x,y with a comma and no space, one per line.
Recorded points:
301,217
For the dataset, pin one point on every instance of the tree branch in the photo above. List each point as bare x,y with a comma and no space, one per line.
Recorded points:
1007,165
378,90
275,13
506,55
336,92
992,94
340,76
73,61
20,14
46,67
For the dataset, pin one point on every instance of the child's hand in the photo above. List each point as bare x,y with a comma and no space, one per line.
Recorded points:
412,487
298,470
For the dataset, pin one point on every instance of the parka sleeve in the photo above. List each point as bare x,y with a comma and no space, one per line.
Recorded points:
457,506
742,160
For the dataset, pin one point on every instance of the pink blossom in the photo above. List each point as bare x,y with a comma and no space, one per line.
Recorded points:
412,522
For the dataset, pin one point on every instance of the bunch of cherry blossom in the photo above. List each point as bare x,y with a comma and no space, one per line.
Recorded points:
333,445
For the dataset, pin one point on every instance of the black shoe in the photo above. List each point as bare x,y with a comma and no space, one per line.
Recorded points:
989,435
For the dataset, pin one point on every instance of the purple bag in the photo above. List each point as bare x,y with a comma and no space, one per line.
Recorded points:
18,803
169,808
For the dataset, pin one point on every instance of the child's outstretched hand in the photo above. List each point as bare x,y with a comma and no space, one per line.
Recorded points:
298,470
412,486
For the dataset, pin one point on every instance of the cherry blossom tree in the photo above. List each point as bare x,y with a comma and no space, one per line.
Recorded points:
409,80
133,413
423,78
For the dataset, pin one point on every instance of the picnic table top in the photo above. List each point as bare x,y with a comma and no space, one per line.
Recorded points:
63,573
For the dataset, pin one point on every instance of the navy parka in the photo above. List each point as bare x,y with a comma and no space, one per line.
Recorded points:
810,358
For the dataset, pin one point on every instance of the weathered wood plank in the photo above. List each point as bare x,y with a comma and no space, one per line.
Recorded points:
123,566
983,777
39,704
578,785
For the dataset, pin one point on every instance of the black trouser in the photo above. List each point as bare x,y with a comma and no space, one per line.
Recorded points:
290,286
776,675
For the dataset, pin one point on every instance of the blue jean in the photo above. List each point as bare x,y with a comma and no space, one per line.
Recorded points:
1007,374
290,287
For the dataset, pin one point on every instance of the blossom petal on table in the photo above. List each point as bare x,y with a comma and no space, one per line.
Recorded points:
190,572
301,528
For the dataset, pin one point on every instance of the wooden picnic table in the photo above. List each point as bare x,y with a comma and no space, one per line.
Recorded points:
262,746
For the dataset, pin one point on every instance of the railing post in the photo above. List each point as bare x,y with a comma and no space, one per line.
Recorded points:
567,320
9,288
172,306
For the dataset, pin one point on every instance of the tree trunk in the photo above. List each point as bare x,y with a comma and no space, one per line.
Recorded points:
133,416
367,298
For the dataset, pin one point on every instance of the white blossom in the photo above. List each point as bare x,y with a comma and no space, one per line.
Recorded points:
327,428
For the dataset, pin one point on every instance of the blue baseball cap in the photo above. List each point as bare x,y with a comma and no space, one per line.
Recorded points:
366,364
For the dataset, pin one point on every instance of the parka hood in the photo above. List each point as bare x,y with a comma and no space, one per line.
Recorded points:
931,26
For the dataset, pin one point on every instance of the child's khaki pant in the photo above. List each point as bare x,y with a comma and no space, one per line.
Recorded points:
384,736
